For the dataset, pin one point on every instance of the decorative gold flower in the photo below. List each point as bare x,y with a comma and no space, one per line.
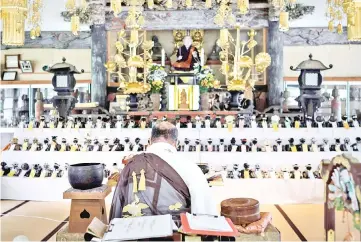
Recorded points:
245,62
263,60
136,88
119,46
251,44
236,85
121,34
148,45
111,66
119,59
135,61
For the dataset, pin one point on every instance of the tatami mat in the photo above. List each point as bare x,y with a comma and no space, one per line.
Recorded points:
308,218
6,205
34,228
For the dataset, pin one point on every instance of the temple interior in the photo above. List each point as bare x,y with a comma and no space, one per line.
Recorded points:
187,120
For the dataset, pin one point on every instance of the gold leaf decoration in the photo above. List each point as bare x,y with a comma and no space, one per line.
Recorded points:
245,62
263,60
147,45
135,61
135,208
111,66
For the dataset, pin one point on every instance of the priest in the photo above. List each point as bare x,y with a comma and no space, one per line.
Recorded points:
187,56
161,182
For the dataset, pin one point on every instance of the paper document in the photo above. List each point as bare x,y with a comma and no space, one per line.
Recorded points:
140,228
208,223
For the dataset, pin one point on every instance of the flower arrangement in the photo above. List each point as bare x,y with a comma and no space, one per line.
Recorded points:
205,78
156,77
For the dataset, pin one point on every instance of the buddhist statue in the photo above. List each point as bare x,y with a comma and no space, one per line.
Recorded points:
187,56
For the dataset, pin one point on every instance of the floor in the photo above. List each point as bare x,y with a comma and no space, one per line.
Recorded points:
40,221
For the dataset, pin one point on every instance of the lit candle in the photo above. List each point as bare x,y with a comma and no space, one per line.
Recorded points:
163,57
202,57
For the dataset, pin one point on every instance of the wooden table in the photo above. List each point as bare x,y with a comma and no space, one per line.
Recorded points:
85,205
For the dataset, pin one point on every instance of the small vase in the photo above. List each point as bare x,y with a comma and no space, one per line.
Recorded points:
155,97
205,101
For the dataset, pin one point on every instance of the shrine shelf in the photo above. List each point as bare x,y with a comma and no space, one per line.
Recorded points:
340,162
173,114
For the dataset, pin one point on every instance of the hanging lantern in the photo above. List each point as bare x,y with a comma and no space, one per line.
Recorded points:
75,22
339,28
330,26
354,26
284,21
243,6
13,15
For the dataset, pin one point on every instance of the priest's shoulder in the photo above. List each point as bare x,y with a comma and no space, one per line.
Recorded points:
132,157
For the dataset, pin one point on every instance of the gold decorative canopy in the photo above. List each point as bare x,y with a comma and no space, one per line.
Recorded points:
13,15
351,9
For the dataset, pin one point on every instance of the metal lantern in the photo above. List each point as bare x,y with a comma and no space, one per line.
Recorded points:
64,83
310,81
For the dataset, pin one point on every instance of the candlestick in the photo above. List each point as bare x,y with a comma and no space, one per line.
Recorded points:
163,57
202,57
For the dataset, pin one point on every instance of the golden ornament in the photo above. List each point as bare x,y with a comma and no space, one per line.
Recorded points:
262,61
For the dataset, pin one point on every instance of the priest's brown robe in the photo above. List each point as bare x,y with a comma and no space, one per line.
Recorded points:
165,191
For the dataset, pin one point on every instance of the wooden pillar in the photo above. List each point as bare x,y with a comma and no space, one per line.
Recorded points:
275,71
98,53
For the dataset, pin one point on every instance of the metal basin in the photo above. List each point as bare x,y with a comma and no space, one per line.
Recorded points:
85,176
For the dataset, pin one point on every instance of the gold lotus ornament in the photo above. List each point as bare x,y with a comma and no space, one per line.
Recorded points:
236,85
121,34
119,46
136,88
147,45
111,66
245,62
120,61
135,61
262,61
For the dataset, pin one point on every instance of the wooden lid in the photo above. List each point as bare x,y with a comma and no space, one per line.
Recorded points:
240,203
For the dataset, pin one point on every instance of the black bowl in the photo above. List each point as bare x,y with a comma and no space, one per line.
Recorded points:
85,176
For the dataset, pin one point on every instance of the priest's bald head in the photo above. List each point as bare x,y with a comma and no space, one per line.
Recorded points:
164,132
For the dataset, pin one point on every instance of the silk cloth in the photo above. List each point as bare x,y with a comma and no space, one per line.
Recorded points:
164,188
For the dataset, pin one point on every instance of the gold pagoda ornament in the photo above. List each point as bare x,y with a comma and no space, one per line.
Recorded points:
74,6
13,16
35,19
351,9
